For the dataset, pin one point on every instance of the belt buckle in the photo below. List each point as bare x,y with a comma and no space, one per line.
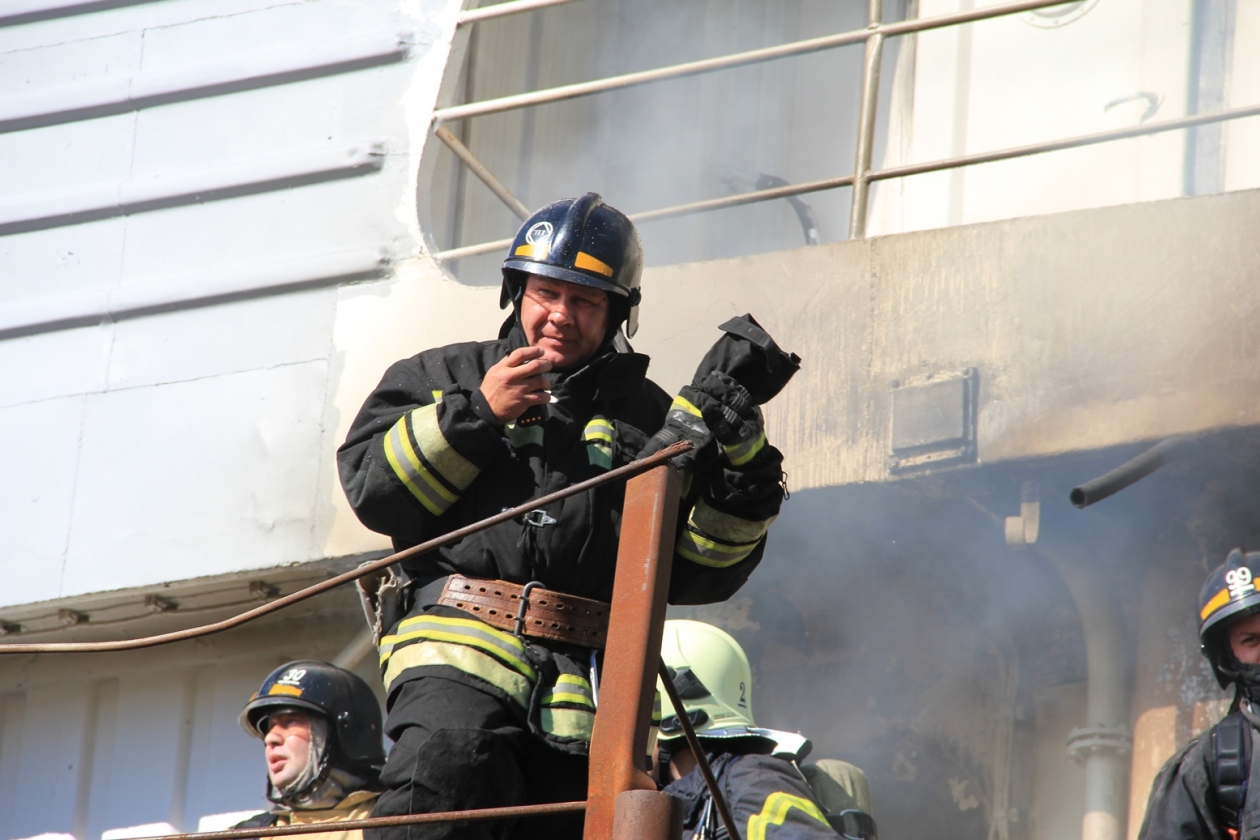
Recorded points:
520,613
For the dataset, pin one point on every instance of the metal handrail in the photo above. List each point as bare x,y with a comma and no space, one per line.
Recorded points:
510,812
629,470
730,61
900,171
499,10
863,176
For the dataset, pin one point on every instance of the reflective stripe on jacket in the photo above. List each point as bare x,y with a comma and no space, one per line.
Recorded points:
768,799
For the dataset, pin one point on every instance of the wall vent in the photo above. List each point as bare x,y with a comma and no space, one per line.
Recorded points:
933,421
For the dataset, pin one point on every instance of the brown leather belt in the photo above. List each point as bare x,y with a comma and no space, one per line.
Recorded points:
549,615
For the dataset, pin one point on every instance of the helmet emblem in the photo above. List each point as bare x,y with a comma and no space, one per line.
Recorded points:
1239,581
293,676
539,234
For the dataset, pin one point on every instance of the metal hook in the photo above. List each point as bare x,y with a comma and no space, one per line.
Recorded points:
520,613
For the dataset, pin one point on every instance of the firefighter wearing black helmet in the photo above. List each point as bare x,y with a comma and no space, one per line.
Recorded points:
321,727
1202,792
485,713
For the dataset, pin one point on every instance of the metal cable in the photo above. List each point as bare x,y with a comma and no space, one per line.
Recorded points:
719,800
624,472
380,822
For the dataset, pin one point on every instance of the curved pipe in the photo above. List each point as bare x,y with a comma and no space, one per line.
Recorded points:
1127,473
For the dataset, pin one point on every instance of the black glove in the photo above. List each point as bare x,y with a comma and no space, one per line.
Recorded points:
685,421
733,418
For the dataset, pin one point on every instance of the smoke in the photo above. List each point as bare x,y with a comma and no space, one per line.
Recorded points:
893,626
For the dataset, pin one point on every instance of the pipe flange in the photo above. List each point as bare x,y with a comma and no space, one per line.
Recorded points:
1084,741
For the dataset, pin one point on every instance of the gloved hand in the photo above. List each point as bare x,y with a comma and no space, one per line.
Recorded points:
732,417
685,421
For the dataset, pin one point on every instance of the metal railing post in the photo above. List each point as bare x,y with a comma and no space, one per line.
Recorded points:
866,120
636,625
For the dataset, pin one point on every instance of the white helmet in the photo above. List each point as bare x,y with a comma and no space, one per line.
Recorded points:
714,682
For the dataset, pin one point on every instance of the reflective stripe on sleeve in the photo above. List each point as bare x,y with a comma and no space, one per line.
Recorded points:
775,812
743,452
598,435
715,539
570,689
431,469
685,405
461,631
567,723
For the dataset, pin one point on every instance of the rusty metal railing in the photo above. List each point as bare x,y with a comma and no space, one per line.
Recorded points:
622,800
872,36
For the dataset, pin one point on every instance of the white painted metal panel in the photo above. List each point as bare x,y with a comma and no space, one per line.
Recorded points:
39,368
232,338
39,459
54,722
196,478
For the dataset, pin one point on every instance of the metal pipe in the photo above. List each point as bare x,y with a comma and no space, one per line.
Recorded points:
1104,743
1133,470
867,116
702,759
482,172
627,471
1066,143
499,10
382,822
635,629
726,62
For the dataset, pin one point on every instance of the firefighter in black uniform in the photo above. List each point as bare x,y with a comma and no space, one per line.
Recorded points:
758,770
486,712
1202,792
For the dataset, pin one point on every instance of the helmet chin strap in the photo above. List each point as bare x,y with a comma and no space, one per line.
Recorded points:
1243,675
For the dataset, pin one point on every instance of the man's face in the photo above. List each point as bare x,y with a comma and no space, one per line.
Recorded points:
1244,639
566,320
288,746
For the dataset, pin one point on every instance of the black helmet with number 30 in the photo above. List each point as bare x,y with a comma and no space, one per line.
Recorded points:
583,241
1229,593
343,698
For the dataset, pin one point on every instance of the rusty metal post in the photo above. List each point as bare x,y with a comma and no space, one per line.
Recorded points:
635,628
647,815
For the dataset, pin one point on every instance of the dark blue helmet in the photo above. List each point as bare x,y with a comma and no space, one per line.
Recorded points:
1229,593
583,241
344,700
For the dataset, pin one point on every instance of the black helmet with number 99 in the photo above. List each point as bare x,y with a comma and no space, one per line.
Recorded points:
1229,594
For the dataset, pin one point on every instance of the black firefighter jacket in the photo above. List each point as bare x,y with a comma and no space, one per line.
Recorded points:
1183,799
425,456
768,798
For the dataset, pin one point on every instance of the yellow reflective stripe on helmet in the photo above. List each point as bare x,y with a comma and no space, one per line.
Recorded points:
464,658
775,812
567,723
480,635
598,435
1219,600
586,261
742,453
681,403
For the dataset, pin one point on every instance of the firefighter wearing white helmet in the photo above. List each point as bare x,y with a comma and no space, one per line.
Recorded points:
758,770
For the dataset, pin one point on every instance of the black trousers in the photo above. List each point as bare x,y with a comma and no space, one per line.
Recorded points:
458,747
